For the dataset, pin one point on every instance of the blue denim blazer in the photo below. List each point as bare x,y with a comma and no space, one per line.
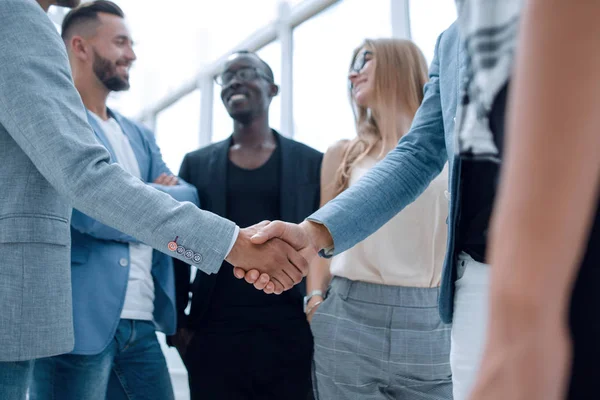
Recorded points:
100,254
407,171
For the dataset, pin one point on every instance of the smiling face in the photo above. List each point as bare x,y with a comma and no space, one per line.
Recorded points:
247,88
362,77
112,48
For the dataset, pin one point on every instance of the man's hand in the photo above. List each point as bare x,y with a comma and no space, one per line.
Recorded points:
166,180
181,340
284,265
314,303
307,238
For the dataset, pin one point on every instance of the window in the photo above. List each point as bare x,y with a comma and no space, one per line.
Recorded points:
426,25
177,130
323,48
174,42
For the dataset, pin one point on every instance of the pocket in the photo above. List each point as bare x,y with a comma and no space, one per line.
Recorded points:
420,345
417,388
317,314
35,228
461,268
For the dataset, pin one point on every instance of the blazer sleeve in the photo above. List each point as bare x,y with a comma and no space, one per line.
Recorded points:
183,272
396,181
44,115
96,229
90,226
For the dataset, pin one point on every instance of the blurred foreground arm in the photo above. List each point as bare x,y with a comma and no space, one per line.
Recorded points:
548,191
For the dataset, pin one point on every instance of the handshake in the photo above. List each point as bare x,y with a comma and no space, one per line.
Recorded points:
274,256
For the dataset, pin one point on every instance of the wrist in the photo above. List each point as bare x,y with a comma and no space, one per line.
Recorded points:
314,300
312,297
232,257
313,305
318,233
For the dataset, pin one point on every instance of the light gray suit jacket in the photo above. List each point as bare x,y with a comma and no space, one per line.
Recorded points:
50,162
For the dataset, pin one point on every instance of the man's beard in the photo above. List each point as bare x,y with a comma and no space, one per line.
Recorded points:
68,3
106,72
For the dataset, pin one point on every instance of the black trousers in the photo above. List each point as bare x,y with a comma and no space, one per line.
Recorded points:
258,363
585,324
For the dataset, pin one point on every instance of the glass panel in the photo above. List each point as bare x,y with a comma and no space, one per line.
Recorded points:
222,122
322,51
426,26
174,42
294,3
271,54
177,130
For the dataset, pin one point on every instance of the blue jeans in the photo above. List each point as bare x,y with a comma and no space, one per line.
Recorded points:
132,367
14,378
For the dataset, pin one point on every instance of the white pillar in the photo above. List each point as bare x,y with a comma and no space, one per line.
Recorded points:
149,121
285,35
400,13
152,123
206,86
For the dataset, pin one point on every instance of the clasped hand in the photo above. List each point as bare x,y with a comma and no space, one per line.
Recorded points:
273,256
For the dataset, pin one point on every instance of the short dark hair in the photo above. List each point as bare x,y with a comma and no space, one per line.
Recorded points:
268,69
86,13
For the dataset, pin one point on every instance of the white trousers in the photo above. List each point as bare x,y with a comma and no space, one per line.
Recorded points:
469,324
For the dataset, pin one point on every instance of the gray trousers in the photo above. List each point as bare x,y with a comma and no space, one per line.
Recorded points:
380,342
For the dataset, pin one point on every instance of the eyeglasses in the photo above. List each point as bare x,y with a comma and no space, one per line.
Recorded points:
361,60
243,75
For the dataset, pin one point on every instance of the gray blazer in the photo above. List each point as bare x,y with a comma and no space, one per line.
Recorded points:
50,162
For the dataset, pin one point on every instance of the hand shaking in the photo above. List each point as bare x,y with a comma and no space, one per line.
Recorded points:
306,239
282,265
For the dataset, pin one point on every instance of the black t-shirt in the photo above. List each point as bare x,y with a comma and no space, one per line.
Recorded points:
478,183
252,196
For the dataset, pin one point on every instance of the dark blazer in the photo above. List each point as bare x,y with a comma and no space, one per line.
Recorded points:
206,169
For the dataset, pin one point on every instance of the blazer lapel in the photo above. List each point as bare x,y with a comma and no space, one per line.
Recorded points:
92,119
137,146
217,178
289,181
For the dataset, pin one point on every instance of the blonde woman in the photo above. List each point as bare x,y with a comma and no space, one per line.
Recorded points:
377,330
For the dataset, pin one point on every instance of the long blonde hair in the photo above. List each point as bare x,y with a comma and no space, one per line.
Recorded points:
400,74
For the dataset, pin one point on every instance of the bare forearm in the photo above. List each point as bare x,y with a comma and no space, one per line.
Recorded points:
320,236
318,277
552,165
549,187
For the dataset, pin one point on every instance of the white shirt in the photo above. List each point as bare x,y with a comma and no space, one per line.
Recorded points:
139,298
409,249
